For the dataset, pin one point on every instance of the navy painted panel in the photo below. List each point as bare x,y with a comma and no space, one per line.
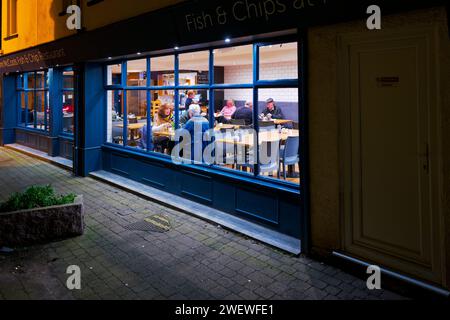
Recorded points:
8,110
197,187
66,148
90,119
257,205
120,164
275,209
33,140
224,196
152,174
289,218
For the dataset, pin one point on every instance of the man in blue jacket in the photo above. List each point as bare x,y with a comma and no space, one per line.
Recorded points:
197,126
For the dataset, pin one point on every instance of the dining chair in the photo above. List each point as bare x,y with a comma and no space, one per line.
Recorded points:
289,154
222,154
271,149
117,134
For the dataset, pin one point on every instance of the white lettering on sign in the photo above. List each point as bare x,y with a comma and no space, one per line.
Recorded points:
73,22
244,10
374,281
74,280
374,21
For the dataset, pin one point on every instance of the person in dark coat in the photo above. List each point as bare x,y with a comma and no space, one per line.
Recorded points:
272,109
244,113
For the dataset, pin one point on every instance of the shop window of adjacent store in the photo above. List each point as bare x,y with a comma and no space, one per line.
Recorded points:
68,102
33,100
249,114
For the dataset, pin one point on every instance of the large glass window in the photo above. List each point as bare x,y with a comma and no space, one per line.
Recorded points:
33,100
68,102
137,73
233,65
252,110
194,68
278,61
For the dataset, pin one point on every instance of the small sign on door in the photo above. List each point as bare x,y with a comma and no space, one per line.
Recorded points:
388,82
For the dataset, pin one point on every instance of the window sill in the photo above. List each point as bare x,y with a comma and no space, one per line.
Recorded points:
12,36
212,170
37,131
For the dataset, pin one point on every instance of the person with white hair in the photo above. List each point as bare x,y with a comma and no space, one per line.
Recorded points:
186,115
196,126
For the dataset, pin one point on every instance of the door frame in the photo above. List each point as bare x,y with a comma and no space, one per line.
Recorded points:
438,274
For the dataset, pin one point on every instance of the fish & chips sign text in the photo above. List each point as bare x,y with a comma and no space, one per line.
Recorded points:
244,10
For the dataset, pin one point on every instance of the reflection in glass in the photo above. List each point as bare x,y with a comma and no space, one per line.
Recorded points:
115,117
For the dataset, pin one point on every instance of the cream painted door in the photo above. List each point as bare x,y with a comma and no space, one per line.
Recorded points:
390,151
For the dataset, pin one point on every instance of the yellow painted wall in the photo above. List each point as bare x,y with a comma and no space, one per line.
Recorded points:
39,20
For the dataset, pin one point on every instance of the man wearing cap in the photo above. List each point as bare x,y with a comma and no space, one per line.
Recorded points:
272,109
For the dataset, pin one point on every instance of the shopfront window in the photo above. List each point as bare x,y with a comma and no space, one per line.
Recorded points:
278,61
68,102
137,73
33,100
194,68
224,93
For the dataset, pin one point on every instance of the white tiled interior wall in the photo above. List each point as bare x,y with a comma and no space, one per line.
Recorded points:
269,71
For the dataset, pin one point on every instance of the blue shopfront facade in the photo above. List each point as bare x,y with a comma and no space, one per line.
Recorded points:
195,26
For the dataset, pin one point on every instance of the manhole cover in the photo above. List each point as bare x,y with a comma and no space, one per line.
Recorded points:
155,223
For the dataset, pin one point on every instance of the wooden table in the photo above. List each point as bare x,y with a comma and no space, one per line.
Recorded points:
227,126
132,127
264,136
281,121
278,121
165,133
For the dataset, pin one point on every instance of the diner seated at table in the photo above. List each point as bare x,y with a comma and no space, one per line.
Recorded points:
186,115
197,126
244,113
142,142
189,99
227,112
272,111
163,121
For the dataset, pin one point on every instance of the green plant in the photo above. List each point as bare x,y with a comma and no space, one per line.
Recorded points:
35,197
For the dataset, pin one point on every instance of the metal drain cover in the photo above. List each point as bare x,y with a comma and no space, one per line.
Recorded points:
155,223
